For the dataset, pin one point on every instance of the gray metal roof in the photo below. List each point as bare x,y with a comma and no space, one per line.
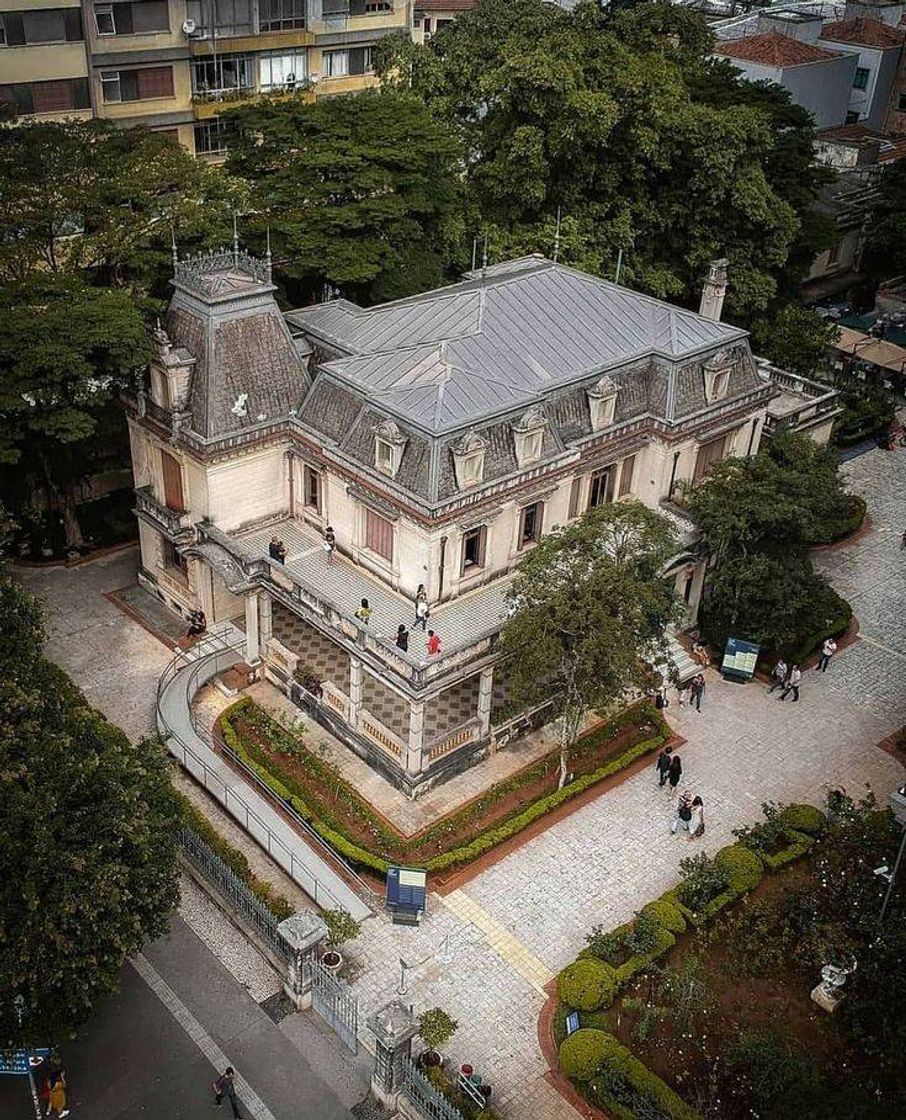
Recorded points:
457,355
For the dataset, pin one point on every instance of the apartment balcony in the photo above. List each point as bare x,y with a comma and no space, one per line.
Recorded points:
208,103
329,593
174,524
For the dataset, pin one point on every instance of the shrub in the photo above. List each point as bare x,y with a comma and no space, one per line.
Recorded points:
436,1027
848,520
624,1086
583,1053
761,1069
742,868
606,945
804,818
667,914
587,984
661,941
702,879
341,927
768,835
798,844
643,937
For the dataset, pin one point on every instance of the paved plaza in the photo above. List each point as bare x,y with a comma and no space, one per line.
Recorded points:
486,950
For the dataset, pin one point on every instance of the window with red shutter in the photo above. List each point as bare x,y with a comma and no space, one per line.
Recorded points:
378,535
626,476
51,97
157,81
173,496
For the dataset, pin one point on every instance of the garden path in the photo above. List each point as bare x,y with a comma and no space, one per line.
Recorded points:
485,954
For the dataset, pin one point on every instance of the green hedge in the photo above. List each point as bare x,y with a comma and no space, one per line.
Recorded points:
618,1066
234,859
742,866
667,914
284,786
804,818
584,1052
587,984
640,961
844,526
799,844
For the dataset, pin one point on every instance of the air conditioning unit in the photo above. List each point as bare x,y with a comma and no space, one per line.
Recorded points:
188,27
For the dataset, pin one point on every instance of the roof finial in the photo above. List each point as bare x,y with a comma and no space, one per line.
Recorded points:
267,256
173,250
484,256
557,237
235,241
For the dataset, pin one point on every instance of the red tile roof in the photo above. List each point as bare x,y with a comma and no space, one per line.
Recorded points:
773,49
863,32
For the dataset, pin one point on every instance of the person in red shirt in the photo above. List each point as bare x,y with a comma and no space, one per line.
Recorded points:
433,643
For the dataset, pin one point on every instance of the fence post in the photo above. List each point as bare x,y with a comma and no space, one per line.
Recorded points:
393,1026
303,933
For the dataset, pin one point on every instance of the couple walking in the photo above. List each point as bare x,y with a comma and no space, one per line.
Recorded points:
694,690
690,811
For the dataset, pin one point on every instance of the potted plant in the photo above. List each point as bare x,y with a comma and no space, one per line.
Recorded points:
341,927
435,1028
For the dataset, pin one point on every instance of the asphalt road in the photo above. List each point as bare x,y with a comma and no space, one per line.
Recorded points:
135,1059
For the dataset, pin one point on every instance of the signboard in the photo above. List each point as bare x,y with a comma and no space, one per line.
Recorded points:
740,659
18,1063
572,1022
407,891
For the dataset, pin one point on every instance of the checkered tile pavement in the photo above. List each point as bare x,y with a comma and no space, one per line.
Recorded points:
327,661
386,705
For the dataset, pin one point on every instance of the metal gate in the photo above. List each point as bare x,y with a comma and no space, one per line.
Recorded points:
333,1000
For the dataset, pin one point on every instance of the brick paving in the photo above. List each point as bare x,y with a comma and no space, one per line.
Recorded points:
526,916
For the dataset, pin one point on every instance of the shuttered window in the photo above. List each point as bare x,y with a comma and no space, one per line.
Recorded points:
157,81
626,476
173,496
313,489
378,534
530,522
600,491
708,455
473,548
575,491
51,97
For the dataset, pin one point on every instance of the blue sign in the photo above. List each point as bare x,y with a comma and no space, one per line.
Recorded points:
20,1062
740,659
407,889
572,1022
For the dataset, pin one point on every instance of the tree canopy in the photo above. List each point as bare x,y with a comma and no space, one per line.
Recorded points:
590,607
623,121
885,242
361,192
87,844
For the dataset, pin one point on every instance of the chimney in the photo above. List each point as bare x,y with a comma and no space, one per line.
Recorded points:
713,292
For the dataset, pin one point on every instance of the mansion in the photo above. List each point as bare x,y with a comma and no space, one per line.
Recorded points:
439,437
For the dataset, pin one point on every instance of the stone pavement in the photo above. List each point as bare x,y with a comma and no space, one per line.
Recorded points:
483,953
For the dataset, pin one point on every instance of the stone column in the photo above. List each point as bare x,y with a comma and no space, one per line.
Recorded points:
393,1026
252,642
416,736
355,690
303,933
265,607
485,698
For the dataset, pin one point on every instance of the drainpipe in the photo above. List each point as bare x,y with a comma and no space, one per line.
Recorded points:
440,574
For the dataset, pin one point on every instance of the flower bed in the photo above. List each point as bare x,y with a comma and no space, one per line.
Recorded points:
597,1058
314,788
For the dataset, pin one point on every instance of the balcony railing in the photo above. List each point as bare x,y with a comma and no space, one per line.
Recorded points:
173,522
158,412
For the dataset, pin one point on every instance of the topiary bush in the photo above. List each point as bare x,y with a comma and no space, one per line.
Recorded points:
667,915
798,844
624,1086
804,818
583,1053
587,984
702,881
743,869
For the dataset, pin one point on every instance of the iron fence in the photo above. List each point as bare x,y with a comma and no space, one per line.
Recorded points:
429,1102
333,1000
234,892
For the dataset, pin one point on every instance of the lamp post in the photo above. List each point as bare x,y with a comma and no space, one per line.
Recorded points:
897,803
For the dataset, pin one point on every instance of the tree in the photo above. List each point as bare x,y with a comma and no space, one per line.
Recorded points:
65,351
794,338
588,606
624,122
885,242
87,844
436,1028
97,202
361,192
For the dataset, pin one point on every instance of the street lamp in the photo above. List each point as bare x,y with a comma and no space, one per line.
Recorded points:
897,803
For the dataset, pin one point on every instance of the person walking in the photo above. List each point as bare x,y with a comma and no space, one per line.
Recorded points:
402,638
682,693
827,652
674,773
56,1096
363,614
421,607
663,765
683,813
778,676
330,543
792,684
433,644
225,1086
696,824
697,691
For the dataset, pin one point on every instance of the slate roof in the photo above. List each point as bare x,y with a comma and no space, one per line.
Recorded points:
773,49
863,33
458,355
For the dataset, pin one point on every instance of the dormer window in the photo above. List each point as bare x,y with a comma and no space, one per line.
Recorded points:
389,445
468,460
528,437
602,403
717,370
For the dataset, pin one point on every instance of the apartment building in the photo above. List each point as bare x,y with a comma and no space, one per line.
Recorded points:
173,65
439,437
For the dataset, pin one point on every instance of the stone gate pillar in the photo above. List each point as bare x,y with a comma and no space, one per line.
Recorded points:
303,933
393,1026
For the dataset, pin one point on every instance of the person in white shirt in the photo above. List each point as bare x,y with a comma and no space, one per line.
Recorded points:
827,652
792,684
697,820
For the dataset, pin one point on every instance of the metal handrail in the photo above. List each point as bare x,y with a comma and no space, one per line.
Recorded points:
213,644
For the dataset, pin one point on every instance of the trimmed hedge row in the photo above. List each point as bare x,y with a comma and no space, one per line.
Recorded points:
844,526
593,1056
195,820
288,790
